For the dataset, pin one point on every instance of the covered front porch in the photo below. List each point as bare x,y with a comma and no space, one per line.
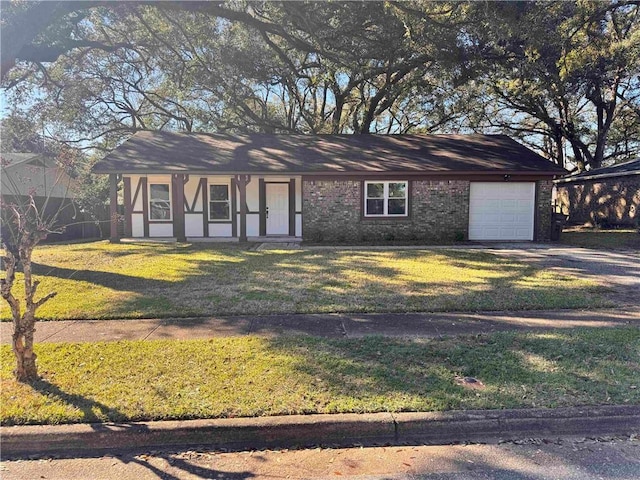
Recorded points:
196,207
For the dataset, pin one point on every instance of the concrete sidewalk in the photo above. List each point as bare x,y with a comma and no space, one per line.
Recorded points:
326,325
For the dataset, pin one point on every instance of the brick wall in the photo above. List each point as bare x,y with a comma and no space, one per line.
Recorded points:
332,213
612,201
544,210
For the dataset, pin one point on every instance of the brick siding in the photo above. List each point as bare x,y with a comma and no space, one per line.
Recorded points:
544,189
439,211
609,201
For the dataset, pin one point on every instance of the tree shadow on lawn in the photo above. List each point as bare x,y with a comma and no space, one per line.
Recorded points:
492,282
115,281
339,281
93,411
523,370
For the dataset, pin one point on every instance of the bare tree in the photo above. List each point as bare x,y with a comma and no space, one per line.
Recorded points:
26,221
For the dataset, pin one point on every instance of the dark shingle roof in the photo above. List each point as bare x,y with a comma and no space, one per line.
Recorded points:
154,152
625,169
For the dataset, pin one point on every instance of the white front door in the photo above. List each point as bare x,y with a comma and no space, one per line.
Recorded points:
501,210
277,208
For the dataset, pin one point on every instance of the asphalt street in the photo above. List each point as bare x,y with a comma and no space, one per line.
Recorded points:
571,458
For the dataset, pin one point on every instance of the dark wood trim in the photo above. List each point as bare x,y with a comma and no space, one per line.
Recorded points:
204,188
177,187
191,208
540,175
301,206
243,181
113,207
137,193
513,177
234,206
128,207
536,213
145,205
362,199
161,222
418,174
262,207
292,207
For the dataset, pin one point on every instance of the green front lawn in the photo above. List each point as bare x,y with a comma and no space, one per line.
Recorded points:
250,376
102,280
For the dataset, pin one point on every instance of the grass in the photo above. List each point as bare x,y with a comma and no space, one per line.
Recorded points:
608,239
250,376
102,280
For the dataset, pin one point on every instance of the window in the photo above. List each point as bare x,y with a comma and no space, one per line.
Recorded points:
385,199
219,204
159,201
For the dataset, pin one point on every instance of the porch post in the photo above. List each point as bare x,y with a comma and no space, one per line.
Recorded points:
178,182
242,181
128,225
113,207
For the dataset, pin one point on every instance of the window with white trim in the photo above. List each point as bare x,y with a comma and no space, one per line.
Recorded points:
385,199
159,201
219,203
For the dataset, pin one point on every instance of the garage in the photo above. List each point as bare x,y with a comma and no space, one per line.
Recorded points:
501,210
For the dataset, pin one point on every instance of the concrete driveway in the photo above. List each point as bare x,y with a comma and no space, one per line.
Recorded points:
618,270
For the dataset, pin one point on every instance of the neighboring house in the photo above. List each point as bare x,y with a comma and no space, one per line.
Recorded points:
333,188
33,174
608,196
29,174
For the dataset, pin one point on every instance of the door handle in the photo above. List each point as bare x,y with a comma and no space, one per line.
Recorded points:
267,211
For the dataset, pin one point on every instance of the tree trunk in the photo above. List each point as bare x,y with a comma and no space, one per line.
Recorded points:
23,228
26,369
559,144
23,325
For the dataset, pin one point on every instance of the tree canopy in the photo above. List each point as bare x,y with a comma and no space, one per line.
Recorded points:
561,76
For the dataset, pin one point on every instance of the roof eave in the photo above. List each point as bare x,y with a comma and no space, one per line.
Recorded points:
408,173
597,177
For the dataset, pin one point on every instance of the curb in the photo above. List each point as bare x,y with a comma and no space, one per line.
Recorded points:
435,428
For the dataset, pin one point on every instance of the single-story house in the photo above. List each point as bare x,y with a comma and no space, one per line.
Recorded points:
332,188
608,196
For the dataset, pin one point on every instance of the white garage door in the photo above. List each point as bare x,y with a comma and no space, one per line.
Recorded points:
501,211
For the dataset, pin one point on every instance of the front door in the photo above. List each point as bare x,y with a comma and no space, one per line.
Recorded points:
277,208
